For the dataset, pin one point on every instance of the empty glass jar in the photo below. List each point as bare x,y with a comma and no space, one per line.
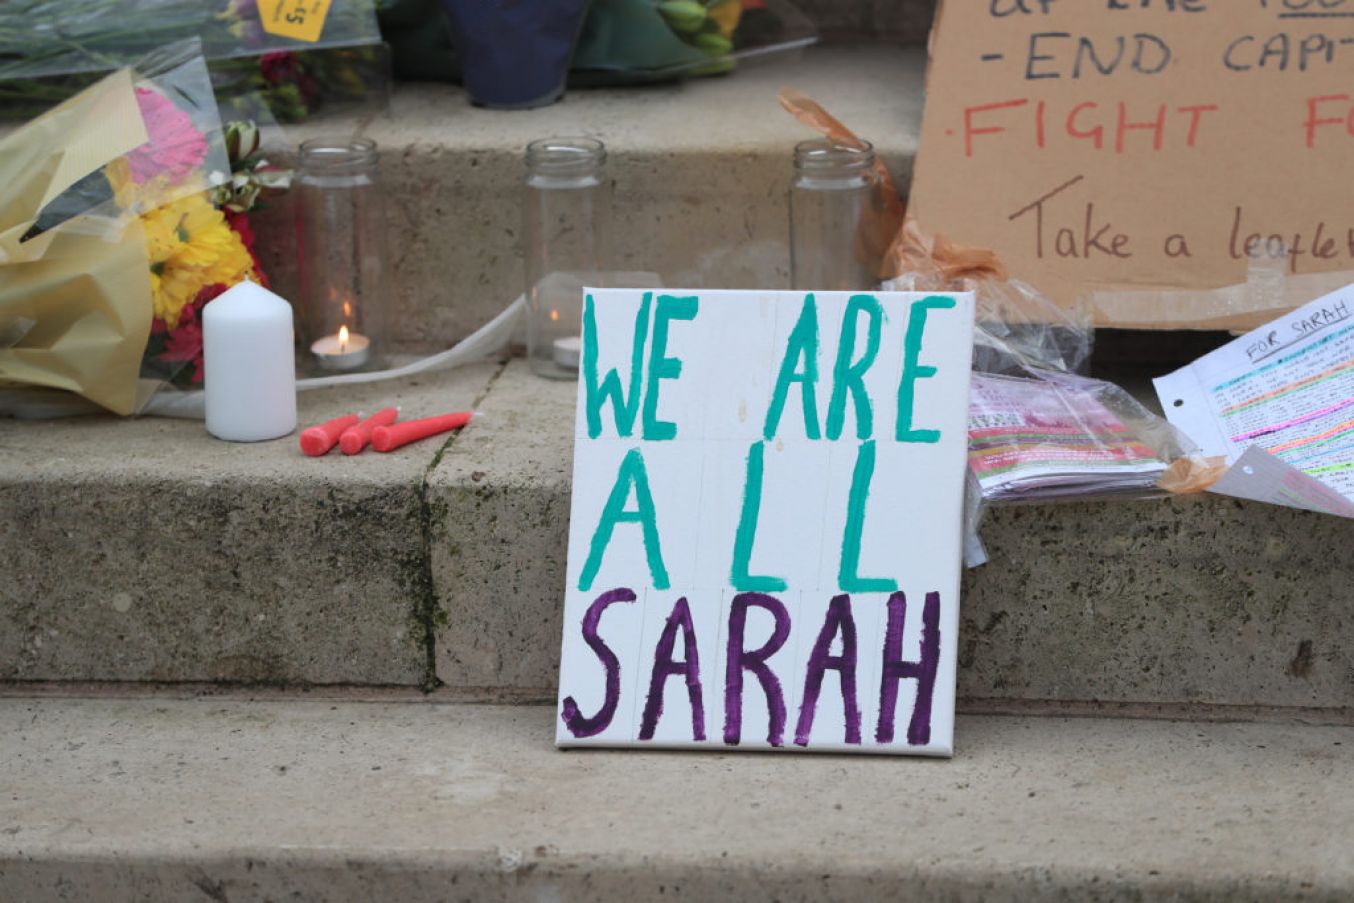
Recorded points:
566,233
344,280
830,200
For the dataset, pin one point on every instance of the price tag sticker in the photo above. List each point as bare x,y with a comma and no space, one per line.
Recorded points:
302,20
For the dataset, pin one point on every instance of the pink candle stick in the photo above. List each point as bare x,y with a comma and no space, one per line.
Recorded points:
317,440
389,438
355,438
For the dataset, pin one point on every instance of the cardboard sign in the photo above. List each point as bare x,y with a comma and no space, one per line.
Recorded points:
764,549
1142,146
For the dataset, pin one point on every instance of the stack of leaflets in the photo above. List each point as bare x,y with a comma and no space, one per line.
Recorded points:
1051,438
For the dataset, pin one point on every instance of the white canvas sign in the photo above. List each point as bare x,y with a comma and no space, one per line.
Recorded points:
764,550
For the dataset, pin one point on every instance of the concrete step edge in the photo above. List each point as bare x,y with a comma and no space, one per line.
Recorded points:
499,696
158,799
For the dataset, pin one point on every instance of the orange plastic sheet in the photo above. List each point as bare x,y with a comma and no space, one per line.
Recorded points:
878,228
1190,475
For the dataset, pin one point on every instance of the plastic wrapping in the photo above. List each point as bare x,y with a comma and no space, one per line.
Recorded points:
1058,435
288,51
58,37
1038,430
123,218
637,41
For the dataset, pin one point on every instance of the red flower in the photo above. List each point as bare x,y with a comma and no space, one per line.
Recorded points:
284,68
239,223
281,67
184,345
175,148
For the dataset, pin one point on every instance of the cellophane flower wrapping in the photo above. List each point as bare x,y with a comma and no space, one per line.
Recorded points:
115,229
290,55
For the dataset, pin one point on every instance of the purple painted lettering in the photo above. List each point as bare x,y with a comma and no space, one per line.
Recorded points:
923,671
838,620
579,724
664,667
739,660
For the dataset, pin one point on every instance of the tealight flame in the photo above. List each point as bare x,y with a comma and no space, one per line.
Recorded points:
554,315
343,338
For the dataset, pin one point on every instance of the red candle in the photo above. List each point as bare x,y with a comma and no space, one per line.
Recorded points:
389,438
317,440
355,438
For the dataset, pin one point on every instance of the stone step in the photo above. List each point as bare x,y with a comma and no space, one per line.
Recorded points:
147,551
701,172
1197,600
228,799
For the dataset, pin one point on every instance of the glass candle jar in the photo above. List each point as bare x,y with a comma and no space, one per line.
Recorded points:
830,199
566,233
344,281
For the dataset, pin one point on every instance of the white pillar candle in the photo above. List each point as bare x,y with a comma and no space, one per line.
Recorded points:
249,365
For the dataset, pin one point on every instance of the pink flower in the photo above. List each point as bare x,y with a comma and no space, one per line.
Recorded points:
175,148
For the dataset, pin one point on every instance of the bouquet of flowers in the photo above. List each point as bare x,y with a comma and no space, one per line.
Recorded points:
198,246
290,54
125,212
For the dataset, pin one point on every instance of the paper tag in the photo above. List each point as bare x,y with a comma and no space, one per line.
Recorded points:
299,19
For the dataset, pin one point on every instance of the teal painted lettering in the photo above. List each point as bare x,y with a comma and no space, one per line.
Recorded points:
746,536
662,367
631,473
847,578
802,346
850,377
624,409
913,370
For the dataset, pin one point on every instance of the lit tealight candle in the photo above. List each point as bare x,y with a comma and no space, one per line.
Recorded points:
566,352
345,351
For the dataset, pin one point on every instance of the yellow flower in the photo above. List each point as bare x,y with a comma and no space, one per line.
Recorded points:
188,241
176,290
119,175
207,238
726,15
160,227
191,246
149,195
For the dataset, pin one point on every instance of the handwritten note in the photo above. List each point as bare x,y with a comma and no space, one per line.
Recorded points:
1141,144
1287,388
764,548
